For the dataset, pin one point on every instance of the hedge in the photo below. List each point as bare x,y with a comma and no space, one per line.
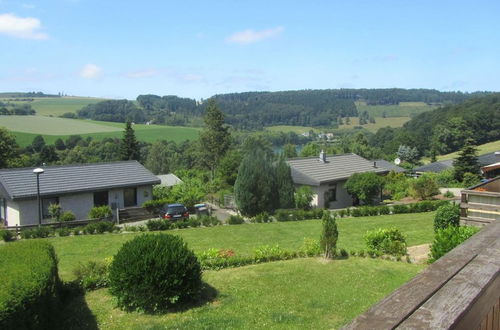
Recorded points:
29,285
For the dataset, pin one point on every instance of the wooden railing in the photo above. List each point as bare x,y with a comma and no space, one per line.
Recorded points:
461,290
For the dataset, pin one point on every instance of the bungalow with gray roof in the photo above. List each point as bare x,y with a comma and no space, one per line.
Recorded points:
77,188
327,176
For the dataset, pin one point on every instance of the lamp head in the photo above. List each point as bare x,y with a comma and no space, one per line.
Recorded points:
38,170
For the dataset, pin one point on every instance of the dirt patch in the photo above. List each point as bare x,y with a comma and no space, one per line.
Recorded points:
419,253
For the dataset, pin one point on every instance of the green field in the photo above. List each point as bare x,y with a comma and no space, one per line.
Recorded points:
403,109
379,123
56,106
295,294
243,239
25,128
482,149
286,129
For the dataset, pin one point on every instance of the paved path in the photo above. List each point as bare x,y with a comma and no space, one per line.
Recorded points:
419,253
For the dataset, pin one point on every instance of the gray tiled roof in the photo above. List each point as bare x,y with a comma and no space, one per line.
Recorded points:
311,171
21,183
488,159
435,167
389,165
169,180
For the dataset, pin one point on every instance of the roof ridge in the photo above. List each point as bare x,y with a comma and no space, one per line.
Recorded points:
66,165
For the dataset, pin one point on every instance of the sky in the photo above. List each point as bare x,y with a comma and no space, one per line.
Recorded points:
120,49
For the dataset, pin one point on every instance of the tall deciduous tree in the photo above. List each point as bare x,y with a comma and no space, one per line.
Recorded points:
129,148
159,158
466,162
255,188
284,181
215,138
8,147
364,186
289,151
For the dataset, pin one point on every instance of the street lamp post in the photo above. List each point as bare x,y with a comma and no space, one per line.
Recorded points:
38,171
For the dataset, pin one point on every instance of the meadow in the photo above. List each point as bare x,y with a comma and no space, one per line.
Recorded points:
403,109
481,149
287,128
293,294
56,106
379,123
26,128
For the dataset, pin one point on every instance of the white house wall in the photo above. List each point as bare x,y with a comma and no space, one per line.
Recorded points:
144,193
12,213
28,212
79,204
343,197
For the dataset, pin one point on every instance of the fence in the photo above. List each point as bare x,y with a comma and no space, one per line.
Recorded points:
459,291
480,204
73,223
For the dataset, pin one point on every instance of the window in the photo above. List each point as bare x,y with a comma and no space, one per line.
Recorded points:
45,205
101,198
129,197
332,193
2,208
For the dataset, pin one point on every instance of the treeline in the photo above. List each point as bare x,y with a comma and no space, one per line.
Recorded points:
254,110
28,95
18,109
444,130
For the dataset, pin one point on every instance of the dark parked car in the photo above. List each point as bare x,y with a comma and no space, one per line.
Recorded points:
174,212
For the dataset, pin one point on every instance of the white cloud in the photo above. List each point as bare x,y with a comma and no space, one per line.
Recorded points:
251,36
21,27
90,71
142,74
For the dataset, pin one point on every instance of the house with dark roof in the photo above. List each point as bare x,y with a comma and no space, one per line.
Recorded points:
439,166
77,188
327,176
389,165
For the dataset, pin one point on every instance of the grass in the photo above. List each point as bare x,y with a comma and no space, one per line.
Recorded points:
482,149
56,106
243,239
403,109
285,129
25,128
379,123
295,294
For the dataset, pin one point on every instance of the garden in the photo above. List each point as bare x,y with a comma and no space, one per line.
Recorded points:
299,288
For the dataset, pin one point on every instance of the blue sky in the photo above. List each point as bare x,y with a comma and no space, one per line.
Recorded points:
121,49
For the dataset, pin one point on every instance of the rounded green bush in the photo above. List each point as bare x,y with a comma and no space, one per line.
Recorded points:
154,272
447,215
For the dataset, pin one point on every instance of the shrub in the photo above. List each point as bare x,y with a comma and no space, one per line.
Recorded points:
384,210
310,247
263,217
181,224
386,241
329,235
235,220
425,187
67,216
154,206
271,253
105,226
356,212
397,209
93,274
447,215
448,238
154,272
77,231
208,221
90,228
193,222
55,211
6,235
39,232
63,232
303,197
364,186
448,194
342,213
343,253
100,212
158,224
218,259
28,290
470,179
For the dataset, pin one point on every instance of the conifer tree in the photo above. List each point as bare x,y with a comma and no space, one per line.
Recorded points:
466,162
329,235
255,189
284,181
215,138
129,148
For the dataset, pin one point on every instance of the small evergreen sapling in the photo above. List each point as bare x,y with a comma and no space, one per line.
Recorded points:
330,235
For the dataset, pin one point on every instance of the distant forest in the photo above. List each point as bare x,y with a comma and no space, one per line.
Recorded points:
254,110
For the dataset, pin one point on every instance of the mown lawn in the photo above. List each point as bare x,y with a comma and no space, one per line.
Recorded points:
295,294
243,239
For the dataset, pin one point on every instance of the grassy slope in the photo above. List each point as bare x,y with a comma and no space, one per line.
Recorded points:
379,123
25,128
482,149
56,106
243,239
285,129
296,294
